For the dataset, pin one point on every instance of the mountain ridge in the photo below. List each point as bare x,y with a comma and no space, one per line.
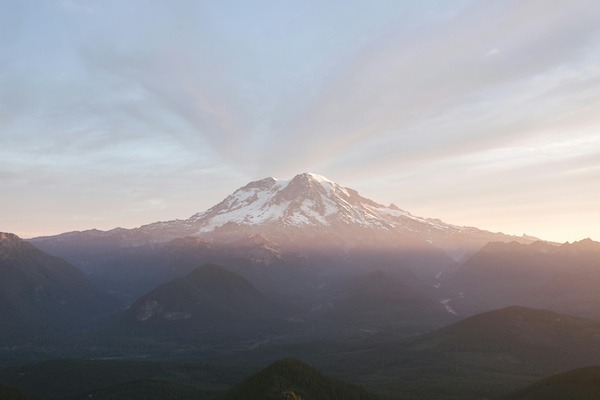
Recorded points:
308,209
562,278
209,303
39,291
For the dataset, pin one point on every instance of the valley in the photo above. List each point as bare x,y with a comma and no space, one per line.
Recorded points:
305,269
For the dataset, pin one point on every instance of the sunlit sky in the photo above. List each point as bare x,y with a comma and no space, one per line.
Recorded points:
122,113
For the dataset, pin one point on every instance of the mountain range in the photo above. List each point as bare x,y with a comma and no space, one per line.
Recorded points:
305,267
479,357
563,277
310,225
285,379
210,304
42,293
308,210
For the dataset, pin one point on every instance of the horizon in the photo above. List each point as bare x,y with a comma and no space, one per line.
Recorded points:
319,177
479,114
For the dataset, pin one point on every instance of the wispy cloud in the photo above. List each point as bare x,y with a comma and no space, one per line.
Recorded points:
173,100
405,81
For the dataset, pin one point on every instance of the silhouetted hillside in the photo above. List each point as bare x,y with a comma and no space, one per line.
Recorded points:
8,393
39,291
540,340
68,379
579,384
483,356
147,390
290,379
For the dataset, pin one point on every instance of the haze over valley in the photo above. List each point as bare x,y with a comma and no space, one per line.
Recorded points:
303,268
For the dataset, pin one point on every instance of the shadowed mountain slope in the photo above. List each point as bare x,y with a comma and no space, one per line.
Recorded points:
579,384
331,226
540,340
8,393
382,300
209,303
484,355
290,379
563,278
39,291
148,389
70,379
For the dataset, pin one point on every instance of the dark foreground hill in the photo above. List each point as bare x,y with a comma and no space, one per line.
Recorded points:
8,393
483,356
290,379
113,379
579,384
287,379
539,340
148,389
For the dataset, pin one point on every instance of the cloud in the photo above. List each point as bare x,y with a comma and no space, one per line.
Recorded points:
492,52
116,103
397,86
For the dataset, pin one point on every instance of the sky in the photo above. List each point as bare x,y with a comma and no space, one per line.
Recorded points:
123,113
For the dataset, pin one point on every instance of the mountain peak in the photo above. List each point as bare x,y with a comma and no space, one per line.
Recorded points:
307,199
12,246
313,177
6,236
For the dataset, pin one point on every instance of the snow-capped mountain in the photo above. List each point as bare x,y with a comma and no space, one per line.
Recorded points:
306,200
308,209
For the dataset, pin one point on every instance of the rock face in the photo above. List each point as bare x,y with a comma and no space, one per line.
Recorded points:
39,291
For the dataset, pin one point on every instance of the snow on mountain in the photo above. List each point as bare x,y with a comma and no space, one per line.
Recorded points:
306,200
306,210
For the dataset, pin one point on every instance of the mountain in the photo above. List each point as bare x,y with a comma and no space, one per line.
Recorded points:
483,356
210,303
131,272
579,384
546,339
39,291
379,300
309,225
563,277
290,379
306,210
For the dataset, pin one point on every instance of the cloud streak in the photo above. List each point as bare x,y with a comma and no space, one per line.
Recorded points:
404,81
140,106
